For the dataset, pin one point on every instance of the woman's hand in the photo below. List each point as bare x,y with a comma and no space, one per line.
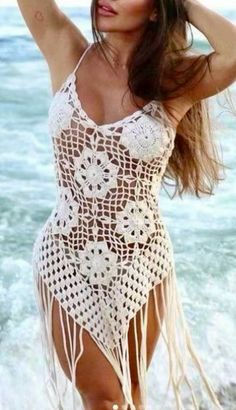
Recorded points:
221,34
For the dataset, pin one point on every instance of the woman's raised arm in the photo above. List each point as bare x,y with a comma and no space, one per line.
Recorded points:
46,23
221,34
58,38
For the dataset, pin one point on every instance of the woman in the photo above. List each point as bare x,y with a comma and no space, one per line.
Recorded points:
103,262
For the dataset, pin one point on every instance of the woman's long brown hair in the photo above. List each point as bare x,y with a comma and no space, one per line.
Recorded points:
154,73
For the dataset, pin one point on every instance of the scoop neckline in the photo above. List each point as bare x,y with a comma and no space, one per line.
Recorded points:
109,124
76,99
70,79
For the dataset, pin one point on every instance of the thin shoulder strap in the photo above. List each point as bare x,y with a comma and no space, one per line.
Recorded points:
82,57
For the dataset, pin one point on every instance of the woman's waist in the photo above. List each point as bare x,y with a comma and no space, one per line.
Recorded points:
130,213
99,243
115,228
124,191
136,223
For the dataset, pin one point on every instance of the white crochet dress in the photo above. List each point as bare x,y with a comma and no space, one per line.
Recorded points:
105,247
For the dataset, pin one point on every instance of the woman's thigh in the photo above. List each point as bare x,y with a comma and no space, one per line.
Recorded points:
95,375
152,333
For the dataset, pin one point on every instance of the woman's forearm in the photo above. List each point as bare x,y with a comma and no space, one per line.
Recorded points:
219,31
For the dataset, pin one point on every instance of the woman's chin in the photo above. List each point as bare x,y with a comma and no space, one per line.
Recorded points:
105,27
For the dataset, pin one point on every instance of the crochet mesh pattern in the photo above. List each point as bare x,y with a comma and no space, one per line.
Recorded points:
105,246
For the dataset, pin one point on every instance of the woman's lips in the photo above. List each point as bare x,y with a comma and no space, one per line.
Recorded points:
105,12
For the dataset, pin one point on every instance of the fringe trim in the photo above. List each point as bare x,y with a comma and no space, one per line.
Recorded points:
173,329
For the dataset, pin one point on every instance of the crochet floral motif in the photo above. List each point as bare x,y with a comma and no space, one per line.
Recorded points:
146,138
66,213
135,221
95,173
60,114
97,262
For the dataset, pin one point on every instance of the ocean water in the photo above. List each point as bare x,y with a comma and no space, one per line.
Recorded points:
203,231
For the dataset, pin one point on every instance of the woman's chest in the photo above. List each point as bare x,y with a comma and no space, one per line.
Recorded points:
140,135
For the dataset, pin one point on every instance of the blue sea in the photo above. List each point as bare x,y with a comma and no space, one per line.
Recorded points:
203,231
